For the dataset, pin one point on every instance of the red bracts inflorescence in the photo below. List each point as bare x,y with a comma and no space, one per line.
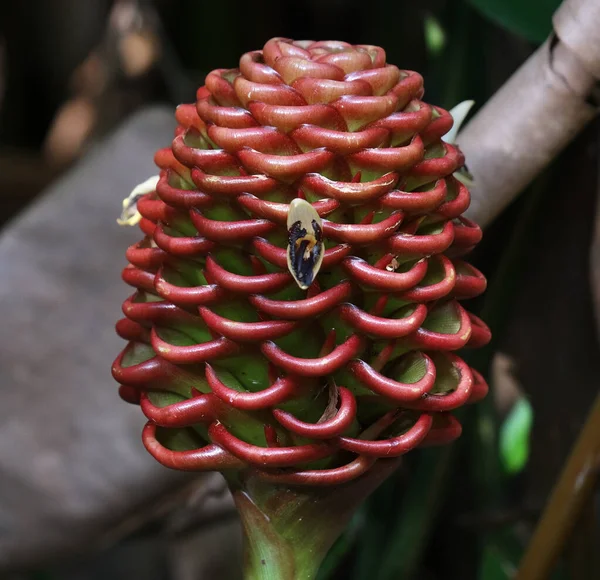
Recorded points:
302,386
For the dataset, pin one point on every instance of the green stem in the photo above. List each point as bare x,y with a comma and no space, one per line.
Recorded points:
269,553
288,530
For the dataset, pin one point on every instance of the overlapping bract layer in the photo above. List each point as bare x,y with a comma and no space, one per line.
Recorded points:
305,387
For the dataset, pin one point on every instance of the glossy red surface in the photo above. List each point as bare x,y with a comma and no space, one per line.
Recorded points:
335,125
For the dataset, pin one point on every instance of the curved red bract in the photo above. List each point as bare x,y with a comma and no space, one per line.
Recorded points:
337,126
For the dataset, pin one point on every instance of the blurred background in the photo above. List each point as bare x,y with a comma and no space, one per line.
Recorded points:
72,72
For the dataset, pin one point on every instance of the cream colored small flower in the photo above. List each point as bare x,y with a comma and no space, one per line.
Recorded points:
130,216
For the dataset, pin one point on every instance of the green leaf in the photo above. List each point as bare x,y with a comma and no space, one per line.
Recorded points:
502,555
496,564
514,436
342,547
41,575
435,37
415,518
531,19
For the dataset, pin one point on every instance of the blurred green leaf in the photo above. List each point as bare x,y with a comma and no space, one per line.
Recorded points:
41,575
435,37
502,555
496,565
531,19
514,436
381,510
460,72
342,546
412,529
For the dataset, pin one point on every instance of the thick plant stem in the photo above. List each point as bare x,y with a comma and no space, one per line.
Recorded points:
271,552
288,530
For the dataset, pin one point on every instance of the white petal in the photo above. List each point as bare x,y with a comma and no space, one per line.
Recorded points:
130,216
459,114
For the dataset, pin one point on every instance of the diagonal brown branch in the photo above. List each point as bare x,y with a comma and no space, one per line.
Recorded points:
570,494
542,107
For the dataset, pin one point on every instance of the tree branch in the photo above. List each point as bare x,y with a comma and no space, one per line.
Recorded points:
541,108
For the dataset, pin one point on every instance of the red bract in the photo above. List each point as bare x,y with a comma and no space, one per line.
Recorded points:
302,387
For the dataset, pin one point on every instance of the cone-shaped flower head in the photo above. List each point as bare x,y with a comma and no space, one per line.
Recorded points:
297,309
